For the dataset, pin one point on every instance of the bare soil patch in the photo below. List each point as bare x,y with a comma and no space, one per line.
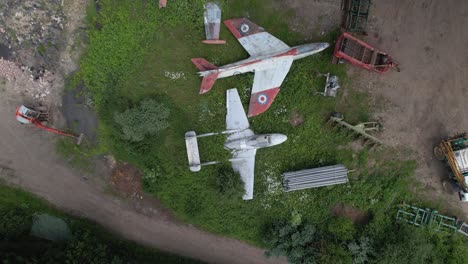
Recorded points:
126,179
357,216
296,119
314,18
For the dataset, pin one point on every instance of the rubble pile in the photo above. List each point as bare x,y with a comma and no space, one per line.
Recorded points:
31,36
29,21
26,80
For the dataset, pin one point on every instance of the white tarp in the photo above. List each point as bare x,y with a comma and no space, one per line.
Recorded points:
461,157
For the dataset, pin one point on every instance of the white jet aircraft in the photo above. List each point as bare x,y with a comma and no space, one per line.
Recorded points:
241,141
270,60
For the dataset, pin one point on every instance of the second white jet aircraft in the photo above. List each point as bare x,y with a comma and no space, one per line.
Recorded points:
243,144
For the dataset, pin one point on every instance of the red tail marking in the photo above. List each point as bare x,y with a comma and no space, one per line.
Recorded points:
203,65
208,82
261,101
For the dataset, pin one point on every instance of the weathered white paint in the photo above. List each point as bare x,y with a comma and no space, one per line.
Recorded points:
272,77
193,155
244,143
270,58
262,43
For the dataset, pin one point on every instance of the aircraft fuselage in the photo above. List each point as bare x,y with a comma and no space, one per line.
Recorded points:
267,61
255,142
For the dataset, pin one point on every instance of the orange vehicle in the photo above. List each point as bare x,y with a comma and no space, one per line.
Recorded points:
39,115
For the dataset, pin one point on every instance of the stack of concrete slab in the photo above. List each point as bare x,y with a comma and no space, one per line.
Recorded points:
313,178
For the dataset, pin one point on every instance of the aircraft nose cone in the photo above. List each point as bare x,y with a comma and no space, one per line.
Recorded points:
279,138
323,45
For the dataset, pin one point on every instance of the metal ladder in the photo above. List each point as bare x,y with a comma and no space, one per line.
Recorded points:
357,12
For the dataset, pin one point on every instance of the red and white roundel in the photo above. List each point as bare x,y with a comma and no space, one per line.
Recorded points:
245,28
262,99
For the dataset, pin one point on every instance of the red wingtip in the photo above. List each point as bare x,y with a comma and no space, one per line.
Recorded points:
231,25
261,101
242,27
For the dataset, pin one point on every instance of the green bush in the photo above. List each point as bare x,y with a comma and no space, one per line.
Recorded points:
14,222
341,228
361,250
229,183
86,248
410,244
146,120
296,242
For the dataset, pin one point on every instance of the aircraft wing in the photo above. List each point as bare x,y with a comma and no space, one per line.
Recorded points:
267,84
243,162
255,40
235,117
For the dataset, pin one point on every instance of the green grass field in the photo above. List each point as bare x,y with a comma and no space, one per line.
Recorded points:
134,52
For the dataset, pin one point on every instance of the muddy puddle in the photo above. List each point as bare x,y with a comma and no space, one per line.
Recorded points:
79,116
5,52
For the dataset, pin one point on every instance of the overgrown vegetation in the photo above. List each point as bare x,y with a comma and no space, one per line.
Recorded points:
90,244
137,51
229,183
294,241
146,120
304,243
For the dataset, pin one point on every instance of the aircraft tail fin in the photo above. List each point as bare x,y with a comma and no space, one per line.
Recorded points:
203,65
208,82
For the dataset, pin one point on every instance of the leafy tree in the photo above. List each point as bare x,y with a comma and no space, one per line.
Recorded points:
361,250
296,242
458,253
407,244
229,183
147,119
14,222
335,254
341,228
86,248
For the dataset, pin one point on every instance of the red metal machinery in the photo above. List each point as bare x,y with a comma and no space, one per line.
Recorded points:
361,54
38,115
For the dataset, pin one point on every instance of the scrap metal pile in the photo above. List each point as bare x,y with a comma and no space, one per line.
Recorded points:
426,217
